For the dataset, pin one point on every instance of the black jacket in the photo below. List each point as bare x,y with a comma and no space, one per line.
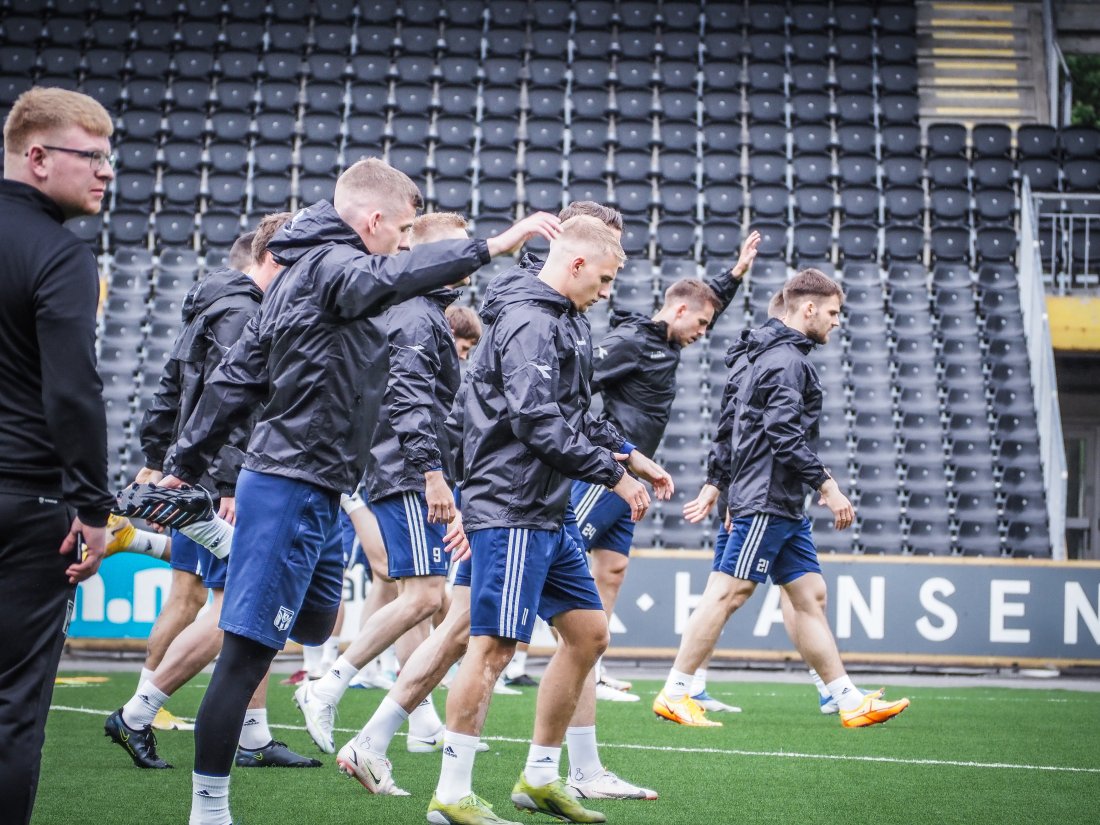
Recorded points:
53,427
635,371
527,431
777,408
424,376
215,312
316,354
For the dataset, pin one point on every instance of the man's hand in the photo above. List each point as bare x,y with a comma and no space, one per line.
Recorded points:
227,509
747,256
147,476
441,500
633,492
698,509
455,541
838,503
172,483
88,556
542,224
645,467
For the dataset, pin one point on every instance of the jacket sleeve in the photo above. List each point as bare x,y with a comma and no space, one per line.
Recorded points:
237,386
725,286
615,358
410,390
65,300
454,425
780,394
602,433
720,456
158,425
368,284
529,372
223,331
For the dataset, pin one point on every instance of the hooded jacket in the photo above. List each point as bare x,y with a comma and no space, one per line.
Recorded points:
527,430
53,426
424,376
316,354
215,312
635,371
777,408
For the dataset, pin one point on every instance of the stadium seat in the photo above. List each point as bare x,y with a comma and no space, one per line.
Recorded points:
1079,141
991,140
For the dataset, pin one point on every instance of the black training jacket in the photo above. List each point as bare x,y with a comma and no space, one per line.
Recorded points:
635,371
53,427
526,428
777,409
316,354
215,312
424,376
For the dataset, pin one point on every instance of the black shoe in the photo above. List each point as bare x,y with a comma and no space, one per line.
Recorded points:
273,755
141,744
523,680
169,508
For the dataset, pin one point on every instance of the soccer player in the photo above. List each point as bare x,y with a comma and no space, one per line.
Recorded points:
410,481
315,358
526,432
635,372
53,431
775,414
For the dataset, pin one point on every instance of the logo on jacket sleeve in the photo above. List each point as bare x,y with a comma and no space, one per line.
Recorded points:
544,369
283,619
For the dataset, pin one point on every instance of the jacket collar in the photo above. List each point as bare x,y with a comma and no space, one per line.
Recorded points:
31,197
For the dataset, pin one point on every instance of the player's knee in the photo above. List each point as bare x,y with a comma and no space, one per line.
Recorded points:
427,599
313,627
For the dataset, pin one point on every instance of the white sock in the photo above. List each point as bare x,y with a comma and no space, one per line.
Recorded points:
145,676
143,706
330,687
677,684
377,734
149,543
542,764
599,670
209,800
351,503
518,665
847,695
456,775
584,753
822,691
330,652
313,657
255,733
424,721
215,534
698,682
388,660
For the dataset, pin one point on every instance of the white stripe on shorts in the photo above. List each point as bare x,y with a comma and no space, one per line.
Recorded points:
588,502
752,544
414,519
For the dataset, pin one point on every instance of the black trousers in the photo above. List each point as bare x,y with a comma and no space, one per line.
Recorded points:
35,603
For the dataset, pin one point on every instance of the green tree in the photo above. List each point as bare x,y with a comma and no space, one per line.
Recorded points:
1085,71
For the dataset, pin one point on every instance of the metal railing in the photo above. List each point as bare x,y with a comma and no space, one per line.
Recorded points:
1068,231
1059,82
1052,450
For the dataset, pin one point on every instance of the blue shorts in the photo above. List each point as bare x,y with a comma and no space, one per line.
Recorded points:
192,557
349,544
414,546
761,545
603,518
287,558
462,573
719,546
519,573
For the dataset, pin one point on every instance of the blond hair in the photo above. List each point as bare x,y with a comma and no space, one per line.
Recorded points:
692,292
265,231
374,182
464,322
609,216
435,225
591,234
43,110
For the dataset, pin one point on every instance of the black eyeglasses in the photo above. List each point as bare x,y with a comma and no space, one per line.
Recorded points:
96,159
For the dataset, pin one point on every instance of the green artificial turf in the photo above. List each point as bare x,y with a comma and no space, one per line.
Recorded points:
965,755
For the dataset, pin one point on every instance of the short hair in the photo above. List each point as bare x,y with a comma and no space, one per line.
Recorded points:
433,225
45,109
693,292
609,216
777,306
240,254
373,177
464,322
269,225
592,232
809,284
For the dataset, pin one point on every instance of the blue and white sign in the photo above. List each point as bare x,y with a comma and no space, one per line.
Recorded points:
122,600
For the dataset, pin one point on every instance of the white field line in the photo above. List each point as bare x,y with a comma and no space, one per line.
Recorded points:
955,763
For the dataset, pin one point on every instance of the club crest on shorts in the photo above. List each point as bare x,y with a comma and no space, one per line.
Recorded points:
283,619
